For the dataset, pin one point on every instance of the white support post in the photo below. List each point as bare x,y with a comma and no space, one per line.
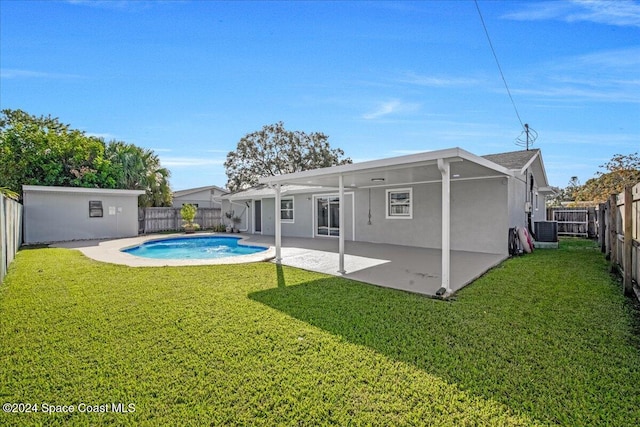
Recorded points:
445,170
278,225
341,269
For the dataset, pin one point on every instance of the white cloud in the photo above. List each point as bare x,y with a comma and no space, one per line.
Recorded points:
605,76
406,152
618,13
177,162
12,73
112,4
390,107
105,136
622,141
438,81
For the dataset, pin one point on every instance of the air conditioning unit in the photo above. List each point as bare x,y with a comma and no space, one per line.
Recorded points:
546,231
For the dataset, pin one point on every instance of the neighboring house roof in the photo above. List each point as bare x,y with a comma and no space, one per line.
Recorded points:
514,159
188,191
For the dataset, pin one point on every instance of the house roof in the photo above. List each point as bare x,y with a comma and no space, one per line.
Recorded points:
188,191
513,160
521,161
402,170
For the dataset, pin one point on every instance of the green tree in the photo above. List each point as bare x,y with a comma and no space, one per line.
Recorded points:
273,150
44,151
619,172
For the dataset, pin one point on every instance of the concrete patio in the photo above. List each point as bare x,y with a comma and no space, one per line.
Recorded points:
399,267
393,266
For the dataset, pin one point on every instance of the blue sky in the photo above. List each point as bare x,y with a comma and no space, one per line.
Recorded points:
189,78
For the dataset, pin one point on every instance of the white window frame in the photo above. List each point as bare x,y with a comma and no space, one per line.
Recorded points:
388,214
293,210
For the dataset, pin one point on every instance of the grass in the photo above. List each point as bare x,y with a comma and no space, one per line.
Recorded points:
546,339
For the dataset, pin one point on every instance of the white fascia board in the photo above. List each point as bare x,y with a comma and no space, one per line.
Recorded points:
546,190
544,170
538,155
528,164
80,190
391,162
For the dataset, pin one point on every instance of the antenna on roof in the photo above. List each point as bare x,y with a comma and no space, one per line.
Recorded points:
527,137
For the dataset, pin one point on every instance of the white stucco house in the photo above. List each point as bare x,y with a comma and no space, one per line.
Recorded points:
57,214
201,197
447,199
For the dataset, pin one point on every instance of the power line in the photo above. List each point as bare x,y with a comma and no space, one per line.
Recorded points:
498,63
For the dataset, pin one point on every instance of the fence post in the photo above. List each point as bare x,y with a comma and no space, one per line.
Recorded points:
627,263
601,212
613,234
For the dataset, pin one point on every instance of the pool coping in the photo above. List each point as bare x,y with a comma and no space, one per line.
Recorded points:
110,251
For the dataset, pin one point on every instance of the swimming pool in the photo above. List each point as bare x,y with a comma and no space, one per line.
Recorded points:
206,247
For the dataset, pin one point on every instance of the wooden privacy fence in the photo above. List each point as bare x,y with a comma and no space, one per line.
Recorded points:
619,235
574,221
151,220
10,232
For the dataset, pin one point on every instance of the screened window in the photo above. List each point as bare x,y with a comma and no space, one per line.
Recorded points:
95,209
286,210
399,203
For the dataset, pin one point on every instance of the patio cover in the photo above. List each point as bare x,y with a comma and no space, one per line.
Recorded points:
454,164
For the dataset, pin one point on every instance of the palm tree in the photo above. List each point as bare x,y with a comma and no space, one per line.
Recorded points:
140,169
6,192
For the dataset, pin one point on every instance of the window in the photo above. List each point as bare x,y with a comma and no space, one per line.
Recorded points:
286,210
194,204
399,203
95,209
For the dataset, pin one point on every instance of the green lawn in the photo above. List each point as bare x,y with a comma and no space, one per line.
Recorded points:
543,339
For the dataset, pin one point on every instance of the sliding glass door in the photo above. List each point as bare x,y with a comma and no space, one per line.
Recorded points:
328,216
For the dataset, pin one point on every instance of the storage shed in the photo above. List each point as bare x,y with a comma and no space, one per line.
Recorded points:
58,214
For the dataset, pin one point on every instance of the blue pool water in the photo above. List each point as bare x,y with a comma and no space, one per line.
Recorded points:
193,248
